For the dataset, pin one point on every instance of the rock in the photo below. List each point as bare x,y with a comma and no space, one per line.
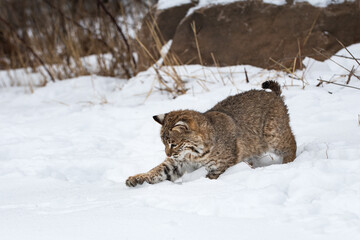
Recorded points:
259,34
157,28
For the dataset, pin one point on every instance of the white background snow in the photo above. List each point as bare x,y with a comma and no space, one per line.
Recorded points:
67,149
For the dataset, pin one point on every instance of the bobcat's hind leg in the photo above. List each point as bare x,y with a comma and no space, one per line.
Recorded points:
215,173
284,146
217,167
279,137
231,156
288,153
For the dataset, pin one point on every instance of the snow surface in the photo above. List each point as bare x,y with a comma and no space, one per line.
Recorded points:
164,4
67,149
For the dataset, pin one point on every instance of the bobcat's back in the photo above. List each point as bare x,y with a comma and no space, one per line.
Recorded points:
251,109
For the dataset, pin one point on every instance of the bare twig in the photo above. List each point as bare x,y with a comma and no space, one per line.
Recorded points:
246,76
281,65
299,54
346,57
348,51
193,27
146,50
329,57
217,68
101,4
311,29
339,84
350,75
319,84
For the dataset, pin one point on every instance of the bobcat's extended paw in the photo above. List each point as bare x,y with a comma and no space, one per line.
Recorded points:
212,175
135,180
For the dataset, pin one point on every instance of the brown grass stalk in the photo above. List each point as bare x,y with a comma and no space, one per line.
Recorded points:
193,27
217,68
339,84
348,51
350,75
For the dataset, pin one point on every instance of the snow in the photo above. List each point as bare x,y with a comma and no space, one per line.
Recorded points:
164,4
67,149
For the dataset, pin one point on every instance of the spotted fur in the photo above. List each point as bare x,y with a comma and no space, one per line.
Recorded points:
239,128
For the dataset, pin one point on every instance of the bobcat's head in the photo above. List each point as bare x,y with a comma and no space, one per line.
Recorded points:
185,134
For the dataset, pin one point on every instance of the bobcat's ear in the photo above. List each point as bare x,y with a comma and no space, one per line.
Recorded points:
180,126
159,118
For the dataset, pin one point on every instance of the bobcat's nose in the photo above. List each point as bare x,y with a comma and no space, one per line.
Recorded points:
169,149
168,152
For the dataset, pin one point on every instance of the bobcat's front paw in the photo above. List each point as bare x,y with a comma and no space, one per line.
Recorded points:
212,175
135,180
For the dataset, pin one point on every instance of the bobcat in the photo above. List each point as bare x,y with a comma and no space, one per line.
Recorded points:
239,128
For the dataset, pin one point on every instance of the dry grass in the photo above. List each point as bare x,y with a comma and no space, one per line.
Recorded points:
57,35
165,66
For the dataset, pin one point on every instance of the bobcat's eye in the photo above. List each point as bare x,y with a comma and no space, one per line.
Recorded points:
173,145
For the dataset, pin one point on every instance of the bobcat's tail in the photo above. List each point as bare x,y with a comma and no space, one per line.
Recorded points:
273,86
